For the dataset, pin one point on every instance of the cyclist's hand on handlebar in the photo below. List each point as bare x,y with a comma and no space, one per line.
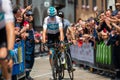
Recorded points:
44,44
62,43
74,42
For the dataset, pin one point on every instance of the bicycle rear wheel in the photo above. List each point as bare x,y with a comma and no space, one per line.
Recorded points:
69,65
61,66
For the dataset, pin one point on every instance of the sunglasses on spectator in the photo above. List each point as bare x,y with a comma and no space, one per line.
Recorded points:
28,14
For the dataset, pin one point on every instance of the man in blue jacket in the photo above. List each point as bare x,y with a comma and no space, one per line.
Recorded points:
30,45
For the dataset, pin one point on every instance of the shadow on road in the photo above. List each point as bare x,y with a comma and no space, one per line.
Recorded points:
62,79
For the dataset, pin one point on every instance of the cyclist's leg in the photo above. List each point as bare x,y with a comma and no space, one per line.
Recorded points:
52,38
51,53
50,41
5,59
6,65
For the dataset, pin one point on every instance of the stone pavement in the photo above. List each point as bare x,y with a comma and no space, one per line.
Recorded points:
42,71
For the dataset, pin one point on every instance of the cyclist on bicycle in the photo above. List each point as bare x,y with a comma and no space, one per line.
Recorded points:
7,38
52,28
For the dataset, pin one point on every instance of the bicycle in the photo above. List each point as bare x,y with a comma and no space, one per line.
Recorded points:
67,61
57,70
61,63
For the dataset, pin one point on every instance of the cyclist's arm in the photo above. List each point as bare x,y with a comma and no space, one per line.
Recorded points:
44,32
44,36
10,35
9,23
61,32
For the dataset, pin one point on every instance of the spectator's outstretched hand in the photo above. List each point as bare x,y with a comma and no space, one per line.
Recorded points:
29,7
116,26
113,24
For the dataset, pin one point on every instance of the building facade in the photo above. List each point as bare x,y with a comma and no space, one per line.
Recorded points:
117,1
89,8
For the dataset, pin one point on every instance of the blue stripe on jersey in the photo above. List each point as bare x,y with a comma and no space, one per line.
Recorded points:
53,26
1,16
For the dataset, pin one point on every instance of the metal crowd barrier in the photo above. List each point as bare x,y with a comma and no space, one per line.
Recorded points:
83,54
99,58
18,71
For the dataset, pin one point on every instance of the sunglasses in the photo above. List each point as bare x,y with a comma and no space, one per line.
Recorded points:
28,14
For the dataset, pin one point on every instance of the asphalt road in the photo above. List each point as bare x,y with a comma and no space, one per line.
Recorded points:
42,71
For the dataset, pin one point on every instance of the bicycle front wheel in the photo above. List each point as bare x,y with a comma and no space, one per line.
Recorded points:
57,69
69,65
54,67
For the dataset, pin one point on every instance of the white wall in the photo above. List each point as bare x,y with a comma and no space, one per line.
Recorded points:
69,11
39,5
13,3
111,3
22,3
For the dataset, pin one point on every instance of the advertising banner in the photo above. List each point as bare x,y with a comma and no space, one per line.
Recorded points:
83,53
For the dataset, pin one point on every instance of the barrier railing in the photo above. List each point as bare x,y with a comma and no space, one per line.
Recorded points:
19,58
103,54
84,54
99,57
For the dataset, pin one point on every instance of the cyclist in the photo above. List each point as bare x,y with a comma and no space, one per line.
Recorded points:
66,25
7,38
52,28
65,22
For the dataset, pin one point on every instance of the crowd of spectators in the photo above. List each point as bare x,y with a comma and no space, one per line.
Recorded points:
24,31
105,27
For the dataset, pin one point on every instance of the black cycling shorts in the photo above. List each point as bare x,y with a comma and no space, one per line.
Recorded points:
3,38
53,38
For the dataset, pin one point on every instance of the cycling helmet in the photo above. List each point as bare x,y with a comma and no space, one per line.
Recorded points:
61,14
52,11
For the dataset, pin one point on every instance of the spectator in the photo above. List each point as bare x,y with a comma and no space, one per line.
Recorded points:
30,45
65,23
71,33
115,41
117,5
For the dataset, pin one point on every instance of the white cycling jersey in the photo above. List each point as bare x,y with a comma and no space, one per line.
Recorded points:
52,26
6,14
